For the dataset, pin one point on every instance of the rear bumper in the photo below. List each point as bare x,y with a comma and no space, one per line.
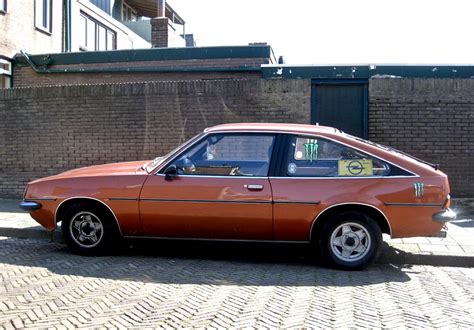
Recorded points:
444,216
30,206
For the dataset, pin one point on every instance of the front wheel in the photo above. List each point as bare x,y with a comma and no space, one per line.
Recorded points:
87,230
350,241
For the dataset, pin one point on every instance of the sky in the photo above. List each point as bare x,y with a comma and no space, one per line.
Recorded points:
339,31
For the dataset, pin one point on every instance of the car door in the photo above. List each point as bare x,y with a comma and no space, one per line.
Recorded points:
317,173
221,190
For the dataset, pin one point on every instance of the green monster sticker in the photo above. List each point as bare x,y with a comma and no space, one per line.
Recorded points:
311,149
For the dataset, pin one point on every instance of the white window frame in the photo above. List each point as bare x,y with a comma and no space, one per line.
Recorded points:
3,6
6,73
43,15
97,24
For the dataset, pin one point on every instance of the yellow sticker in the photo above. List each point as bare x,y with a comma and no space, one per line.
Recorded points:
355,167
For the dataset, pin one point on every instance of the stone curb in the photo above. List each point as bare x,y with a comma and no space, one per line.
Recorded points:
36,232
388,255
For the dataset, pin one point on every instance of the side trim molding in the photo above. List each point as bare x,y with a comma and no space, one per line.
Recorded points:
202,201
297,202
414,204
51,199
218,201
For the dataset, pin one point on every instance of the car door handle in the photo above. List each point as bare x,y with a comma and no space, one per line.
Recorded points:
253,186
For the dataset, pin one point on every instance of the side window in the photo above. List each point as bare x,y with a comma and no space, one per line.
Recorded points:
312,156
228,155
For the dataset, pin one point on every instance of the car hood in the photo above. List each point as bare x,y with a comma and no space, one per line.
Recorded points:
125,168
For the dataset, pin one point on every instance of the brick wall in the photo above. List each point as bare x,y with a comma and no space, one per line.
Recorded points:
159,31
25,76
47,130
432,119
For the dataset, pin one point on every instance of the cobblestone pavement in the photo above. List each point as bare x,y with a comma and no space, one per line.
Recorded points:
215,285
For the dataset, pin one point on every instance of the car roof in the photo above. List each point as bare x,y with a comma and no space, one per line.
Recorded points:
273,127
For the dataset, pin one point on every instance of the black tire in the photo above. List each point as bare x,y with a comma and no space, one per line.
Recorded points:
88,230
350,241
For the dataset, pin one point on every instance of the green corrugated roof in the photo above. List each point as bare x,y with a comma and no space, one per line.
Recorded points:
367,71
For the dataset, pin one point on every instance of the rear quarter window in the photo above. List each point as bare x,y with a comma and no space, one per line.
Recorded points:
320,157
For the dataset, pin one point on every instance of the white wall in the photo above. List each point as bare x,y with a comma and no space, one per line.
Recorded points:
18,32
174,35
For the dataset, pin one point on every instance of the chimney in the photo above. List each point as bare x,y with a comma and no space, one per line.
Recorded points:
159,26
159,32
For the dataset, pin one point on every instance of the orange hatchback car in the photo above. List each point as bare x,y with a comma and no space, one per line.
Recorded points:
252,182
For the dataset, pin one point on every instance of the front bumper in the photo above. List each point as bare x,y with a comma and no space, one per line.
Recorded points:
444,216
30,206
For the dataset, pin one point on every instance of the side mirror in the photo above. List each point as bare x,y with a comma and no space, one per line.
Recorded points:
171,172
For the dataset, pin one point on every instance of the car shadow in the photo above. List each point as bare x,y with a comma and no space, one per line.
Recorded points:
464,223
392,255
206,263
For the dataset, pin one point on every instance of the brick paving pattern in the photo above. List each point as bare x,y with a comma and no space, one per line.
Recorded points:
43,285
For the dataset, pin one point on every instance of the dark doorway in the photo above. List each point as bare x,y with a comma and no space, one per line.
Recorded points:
341,104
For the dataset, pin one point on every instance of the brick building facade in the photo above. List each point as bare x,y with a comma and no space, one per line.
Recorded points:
18,29
63,26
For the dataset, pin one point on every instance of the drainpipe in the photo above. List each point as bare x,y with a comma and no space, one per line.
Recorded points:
161,8
67,25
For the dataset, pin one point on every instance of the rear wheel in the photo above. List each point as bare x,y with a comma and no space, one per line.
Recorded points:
351,241
88,231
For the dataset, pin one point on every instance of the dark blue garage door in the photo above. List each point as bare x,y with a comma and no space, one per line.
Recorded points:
341,104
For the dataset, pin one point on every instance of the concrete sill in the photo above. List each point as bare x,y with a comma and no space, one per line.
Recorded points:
39,29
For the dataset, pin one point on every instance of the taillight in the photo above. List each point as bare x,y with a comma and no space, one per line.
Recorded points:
447,202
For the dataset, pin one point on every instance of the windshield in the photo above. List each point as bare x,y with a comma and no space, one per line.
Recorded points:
158,160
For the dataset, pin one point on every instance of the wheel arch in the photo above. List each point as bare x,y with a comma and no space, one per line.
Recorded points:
62,208
375,213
